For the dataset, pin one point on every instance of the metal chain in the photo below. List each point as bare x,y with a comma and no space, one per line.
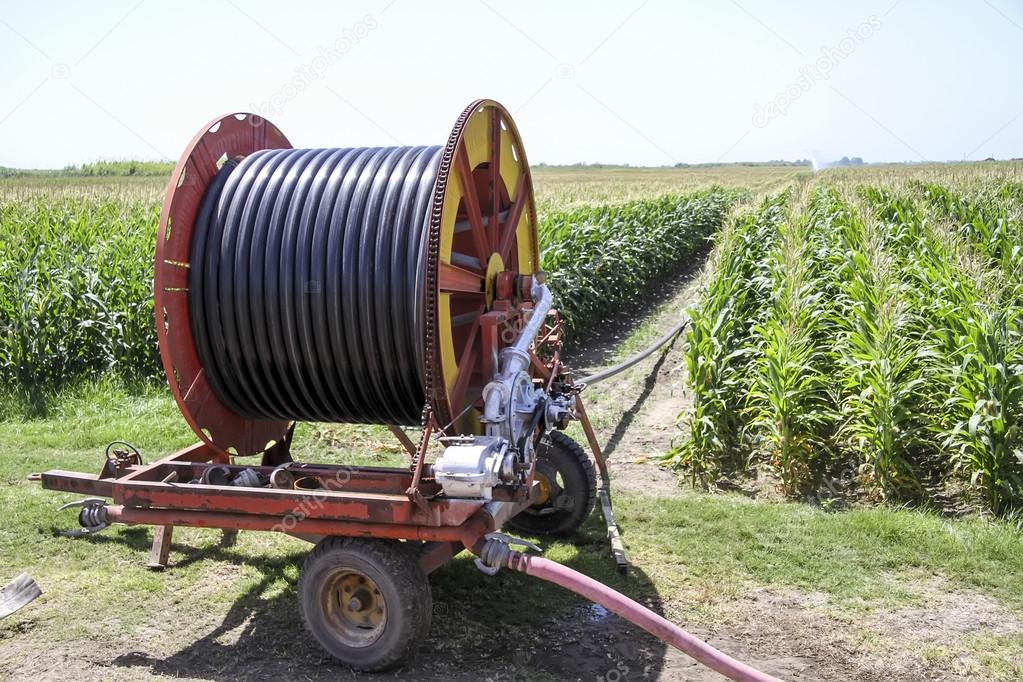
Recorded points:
436,397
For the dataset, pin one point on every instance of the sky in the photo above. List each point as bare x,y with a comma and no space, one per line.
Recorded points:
643,82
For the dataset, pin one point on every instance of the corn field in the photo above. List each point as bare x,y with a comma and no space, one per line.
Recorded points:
866,340
76,272
602,258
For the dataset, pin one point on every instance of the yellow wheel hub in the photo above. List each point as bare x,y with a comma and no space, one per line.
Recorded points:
355,608
545,488
494,267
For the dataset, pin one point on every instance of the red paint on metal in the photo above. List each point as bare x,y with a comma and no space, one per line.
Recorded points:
511,222
490,325
591,438
454,278
471,204
323,504
468,362
76,482
436,554
285,524
486,519
494,166
223,138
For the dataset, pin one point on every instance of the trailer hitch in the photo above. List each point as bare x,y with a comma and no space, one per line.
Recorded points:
92,516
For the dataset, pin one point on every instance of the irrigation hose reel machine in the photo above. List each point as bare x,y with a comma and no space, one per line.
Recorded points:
394,286
397,286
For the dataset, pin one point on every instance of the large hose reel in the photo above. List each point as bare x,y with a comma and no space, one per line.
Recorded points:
346,285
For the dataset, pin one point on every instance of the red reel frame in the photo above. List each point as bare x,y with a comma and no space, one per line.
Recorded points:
223,138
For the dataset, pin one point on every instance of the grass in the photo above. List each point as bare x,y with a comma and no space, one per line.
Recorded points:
696,554
862,559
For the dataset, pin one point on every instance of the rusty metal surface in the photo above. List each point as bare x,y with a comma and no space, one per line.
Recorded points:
319,504
433,555
77,482
283,524
368,494
403,438
223,138
604,491
140,497
361,494
485,520
160,551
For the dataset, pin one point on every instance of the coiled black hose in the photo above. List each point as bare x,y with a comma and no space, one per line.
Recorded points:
307,283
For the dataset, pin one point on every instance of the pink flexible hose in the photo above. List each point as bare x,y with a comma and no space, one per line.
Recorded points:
630,610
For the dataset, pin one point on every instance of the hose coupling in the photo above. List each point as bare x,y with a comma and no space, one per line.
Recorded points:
92,516
497,552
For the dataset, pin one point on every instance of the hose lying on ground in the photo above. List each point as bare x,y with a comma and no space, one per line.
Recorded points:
621,366
498,554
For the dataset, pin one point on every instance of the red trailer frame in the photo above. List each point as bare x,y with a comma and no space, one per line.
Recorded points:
333,499
354,501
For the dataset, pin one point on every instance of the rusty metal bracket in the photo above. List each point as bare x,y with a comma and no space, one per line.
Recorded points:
403,438
419,460
280,452
604,491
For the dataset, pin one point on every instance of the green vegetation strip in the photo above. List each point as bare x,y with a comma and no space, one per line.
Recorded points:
866,342
76,271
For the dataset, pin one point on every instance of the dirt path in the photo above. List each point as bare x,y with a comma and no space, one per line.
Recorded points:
635,412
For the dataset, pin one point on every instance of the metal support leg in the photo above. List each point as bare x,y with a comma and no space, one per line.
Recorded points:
403,438
604,491
280,452
161,548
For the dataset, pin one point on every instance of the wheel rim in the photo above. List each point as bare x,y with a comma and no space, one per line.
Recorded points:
354,607
552,490
227,137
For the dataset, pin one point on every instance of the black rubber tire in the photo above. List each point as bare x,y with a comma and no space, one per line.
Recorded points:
403,586
566,514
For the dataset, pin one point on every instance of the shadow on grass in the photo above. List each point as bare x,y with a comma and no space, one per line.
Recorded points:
648,386
510,626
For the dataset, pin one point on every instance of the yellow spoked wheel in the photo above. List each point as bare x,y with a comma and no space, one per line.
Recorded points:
483,229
